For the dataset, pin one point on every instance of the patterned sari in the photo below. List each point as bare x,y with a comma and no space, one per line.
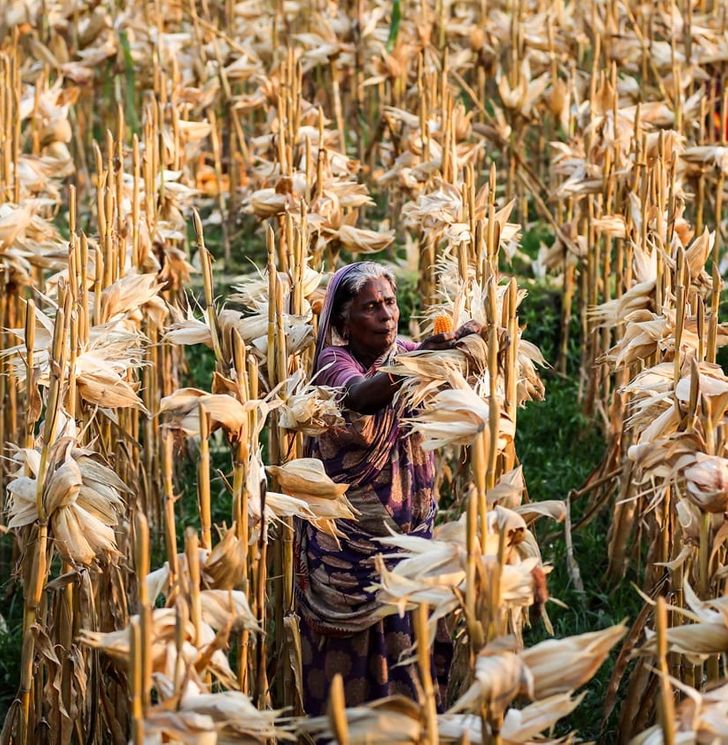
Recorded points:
391,486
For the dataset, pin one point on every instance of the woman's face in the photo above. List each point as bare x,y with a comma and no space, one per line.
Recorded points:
373,318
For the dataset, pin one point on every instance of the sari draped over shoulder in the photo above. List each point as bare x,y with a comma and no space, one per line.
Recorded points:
391,482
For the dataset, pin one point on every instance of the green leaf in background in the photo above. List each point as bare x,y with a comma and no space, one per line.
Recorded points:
394,25
130,108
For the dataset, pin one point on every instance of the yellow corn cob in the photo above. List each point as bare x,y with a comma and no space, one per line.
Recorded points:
443,324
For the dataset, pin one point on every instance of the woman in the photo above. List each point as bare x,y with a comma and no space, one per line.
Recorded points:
391,486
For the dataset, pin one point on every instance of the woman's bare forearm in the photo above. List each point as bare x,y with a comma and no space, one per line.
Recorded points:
370,395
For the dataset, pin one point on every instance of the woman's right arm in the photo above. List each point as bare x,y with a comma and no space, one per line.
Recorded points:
370,395
364,395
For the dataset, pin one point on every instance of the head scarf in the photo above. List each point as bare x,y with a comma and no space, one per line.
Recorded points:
325,319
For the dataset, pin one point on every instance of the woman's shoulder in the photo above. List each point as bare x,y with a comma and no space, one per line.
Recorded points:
337,365
335,354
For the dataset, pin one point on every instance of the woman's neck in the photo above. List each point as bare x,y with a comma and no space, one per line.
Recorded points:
366,357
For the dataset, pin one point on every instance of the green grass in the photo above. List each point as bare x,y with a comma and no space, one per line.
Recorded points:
11,637
201,365
722,357
558,447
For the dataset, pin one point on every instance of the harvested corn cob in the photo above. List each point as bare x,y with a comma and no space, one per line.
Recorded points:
443,324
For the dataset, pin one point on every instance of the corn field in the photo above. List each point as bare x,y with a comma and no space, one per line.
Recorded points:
178,181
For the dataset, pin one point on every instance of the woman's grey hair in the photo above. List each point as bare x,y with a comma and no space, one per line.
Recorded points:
360,274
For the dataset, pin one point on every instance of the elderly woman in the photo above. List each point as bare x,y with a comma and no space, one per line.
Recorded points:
391,483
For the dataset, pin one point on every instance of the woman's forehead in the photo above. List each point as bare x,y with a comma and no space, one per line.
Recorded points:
376,287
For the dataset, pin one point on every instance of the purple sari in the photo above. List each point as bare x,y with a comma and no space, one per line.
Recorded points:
391,483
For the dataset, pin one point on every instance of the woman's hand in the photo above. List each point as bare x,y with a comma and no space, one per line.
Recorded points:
471,327
438,342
